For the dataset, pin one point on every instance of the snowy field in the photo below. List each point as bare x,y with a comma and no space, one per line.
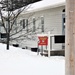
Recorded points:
17,61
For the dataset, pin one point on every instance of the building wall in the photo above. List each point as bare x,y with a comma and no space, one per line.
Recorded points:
52,23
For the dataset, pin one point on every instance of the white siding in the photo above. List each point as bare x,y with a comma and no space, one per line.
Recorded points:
52,21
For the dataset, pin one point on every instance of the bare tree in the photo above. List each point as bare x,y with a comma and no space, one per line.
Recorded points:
9,11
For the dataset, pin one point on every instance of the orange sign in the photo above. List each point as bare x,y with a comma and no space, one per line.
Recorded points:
43,40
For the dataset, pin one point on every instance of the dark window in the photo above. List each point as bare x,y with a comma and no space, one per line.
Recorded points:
59,38
63,23
23,23
33,24
3,35
27,25
63,20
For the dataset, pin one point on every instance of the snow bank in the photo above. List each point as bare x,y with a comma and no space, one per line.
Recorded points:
18,61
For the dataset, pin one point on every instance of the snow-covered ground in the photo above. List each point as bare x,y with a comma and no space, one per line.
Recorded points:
17,61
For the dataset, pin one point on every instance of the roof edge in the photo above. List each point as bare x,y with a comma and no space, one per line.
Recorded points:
44,8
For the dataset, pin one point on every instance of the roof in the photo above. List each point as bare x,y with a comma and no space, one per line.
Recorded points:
45,4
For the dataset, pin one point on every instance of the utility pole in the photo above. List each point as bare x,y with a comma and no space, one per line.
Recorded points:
70,37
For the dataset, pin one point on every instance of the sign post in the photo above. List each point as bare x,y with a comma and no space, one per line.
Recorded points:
49,44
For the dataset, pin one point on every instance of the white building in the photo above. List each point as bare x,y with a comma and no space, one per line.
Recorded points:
40,17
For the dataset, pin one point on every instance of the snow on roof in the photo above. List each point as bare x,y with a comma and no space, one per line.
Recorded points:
46,3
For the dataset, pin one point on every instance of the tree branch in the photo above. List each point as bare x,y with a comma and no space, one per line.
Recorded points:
3,21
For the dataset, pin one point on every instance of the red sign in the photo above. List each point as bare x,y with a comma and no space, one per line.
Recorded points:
43,40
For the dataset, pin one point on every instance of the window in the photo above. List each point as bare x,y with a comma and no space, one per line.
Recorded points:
15,24
63,23
27,25
33,24
23,23
42,24
63,26
20,22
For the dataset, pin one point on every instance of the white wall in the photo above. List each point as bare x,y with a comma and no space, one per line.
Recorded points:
52,22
